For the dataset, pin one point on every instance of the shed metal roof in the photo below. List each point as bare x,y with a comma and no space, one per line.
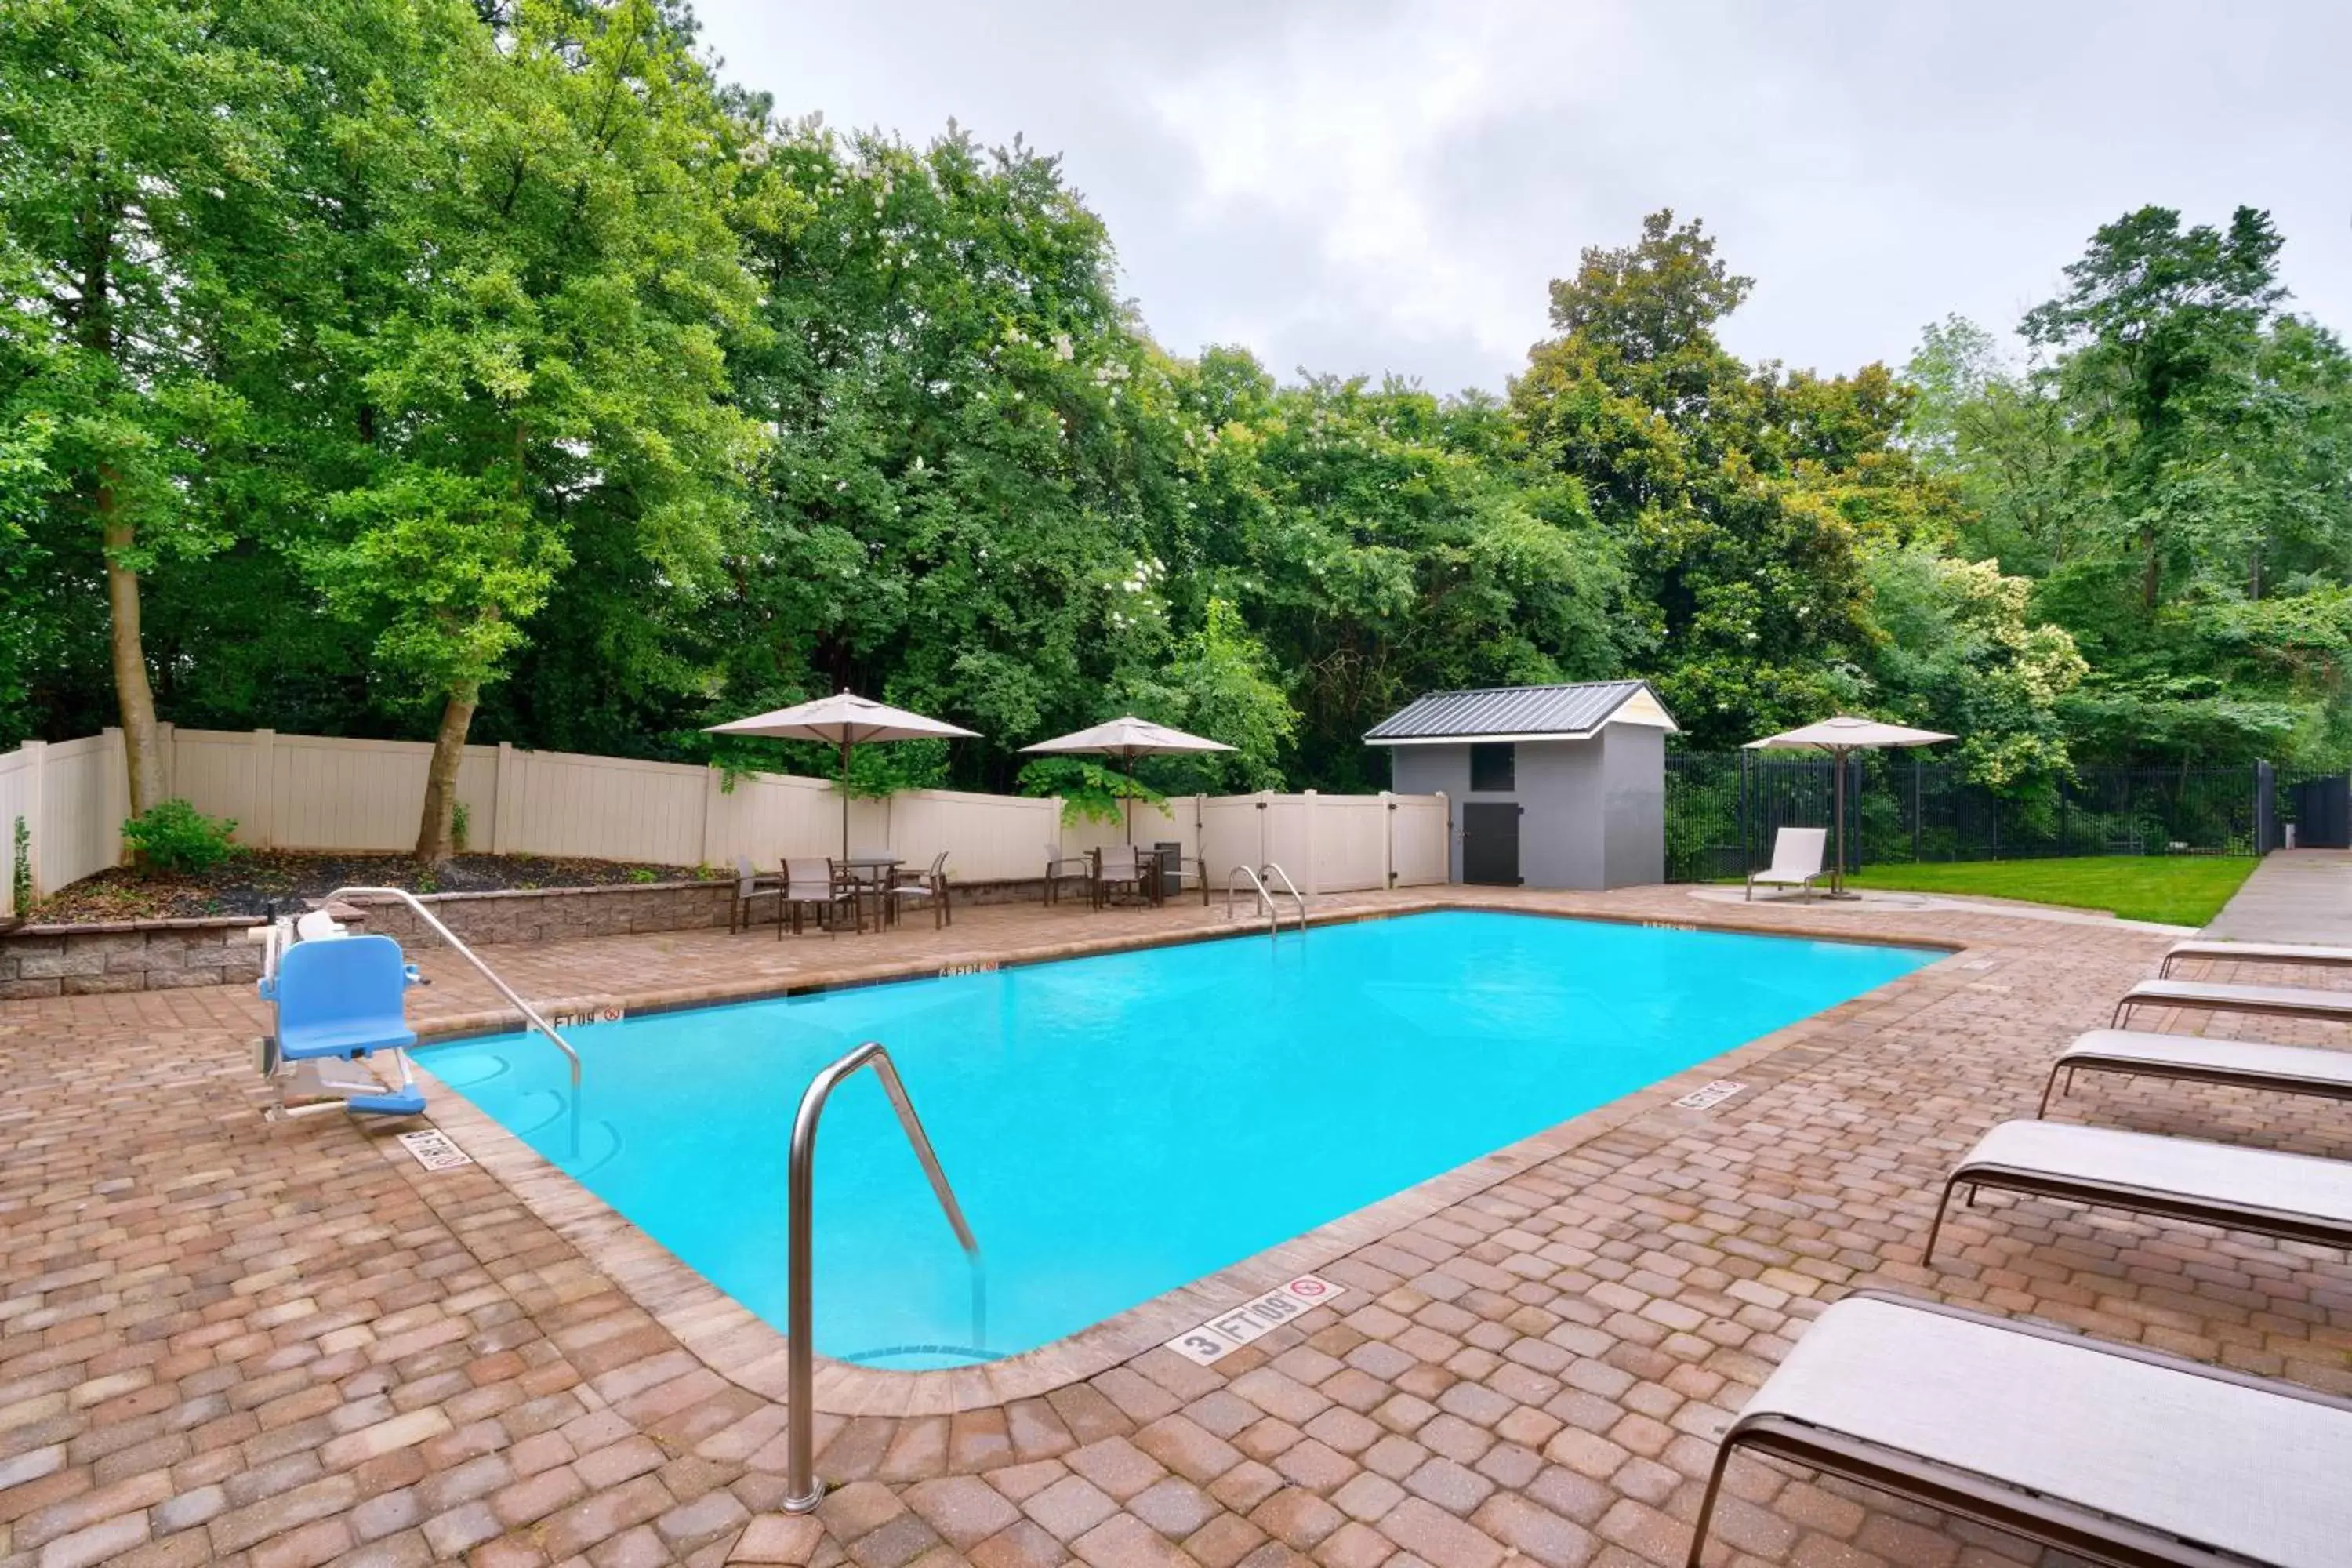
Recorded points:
1502,711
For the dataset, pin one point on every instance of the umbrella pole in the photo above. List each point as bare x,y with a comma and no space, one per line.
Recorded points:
1127,806
844,802
1837,875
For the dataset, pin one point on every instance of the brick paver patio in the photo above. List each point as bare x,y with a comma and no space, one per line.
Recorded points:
224,1340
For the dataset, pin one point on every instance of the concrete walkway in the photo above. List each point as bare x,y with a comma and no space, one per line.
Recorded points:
2294,895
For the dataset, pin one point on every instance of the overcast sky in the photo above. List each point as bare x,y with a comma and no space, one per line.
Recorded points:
1389,186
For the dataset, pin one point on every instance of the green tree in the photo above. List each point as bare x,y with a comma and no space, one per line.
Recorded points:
1748,500
138,148
548,361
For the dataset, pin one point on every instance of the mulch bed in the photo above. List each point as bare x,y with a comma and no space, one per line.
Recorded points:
255,881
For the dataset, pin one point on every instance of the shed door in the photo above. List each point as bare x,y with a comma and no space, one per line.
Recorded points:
1490,844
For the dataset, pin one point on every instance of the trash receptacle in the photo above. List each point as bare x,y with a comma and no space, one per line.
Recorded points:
1171,867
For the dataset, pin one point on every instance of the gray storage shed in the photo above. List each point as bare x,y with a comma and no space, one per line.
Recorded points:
1553,786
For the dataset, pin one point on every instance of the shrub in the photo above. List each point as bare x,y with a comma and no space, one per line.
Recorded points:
20,868
461,821
172,835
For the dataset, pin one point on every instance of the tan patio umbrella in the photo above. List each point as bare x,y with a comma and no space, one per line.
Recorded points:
1128,737
1840,737
843,720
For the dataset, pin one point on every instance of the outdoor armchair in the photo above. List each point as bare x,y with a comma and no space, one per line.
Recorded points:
1117,866
926,887
749,885
1061,867
811,883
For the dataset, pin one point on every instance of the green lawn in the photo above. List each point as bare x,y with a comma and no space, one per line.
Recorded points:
2176,890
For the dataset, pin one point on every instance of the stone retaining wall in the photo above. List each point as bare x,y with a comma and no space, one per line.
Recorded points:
152,955
126,955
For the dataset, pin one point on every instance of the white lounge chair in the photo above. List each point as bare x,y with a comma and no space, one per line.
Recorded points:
2210,996
1796,860
2111,1452
2289,953
2298,1197
2193,1059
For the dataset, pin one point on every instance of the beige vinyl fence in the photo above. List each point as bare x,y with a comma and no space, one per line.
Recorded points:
71,798
1326,843
312,792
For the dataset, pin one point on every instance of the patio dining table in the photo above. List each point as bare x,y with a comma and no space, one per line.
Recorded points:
873,874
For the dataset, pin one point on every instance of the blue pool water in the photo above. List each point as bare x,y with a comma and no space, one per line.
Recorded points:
1117,1126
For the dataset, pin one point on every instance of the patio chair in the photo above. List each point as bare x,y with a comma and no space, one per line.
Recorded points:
1118,866
749,885
926,887
2295,1197
1061,867
2209,997
812,883
871,870
1796,860
2194,1058
2254,952
2111,1452
1190,865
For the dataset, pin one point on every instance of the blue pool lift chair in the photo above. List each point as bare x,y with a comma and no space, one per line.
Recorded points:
339,1002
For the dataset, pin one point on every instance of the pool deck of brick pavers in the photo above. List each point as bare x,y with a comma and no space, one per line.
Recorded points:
225,1340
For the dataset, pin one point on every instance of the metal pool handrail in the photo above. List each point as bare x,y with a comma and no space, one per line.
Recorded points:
802,1491
1265,899
1272,869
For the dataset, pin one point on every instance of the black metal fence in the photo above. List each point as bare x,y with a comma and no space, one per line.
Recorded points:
1723,810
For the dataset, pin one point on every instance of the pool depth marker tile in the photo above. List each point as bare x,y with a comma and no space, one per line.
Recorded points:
435,1150
1229,1332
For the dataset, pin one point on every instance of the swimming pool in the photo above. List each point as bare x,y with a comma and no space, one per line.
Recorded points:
1119,1125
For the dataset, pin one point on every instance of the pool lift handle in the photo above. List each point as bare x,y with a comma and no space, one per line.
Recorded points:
803,1491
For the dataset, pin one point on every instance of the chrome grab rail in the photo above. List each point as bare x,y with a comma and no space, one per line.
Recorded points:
802,1491
1272,868
1265,899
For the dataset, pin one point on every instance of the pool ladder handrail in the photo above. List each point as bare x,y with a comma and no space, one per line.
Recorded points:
530,1012
802,1491
1272,869
1256,880
1264,899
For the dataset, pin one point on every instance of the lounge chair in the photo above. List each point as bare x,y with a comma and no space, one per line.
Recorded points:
2296,1197
1796,860
2193,1059
749,885
1061,867
2254,952
925,888
2111,1452
2209,997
